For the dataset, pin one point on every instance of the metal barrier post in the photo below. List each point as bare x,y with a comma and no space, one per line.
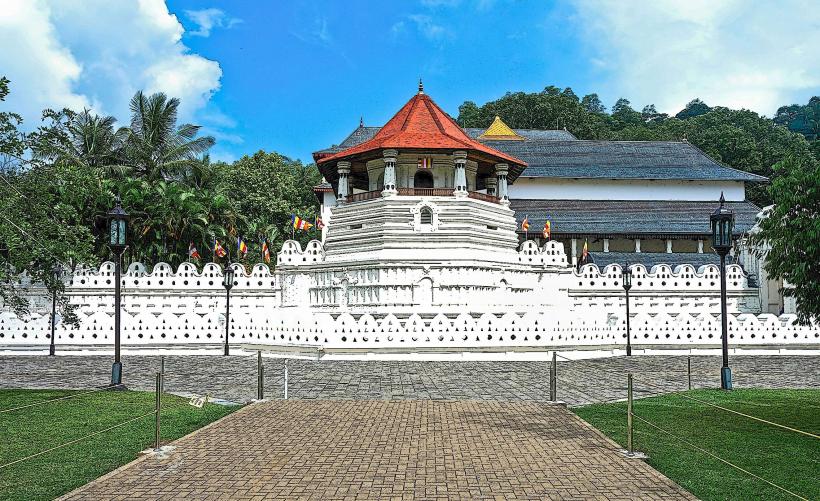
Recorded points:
156,410
162,371
689,370
553,379
286,379
260,381
629,414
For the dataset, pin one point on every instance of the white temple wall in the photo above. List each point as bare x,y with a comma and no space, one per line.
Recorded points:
540,188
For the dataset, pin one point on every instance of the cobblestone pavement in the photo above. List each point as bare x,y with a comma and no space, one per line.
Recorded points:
234,378
299,449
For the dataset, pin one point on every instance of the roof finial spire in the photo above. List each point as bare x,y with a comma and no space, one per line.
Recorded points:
722,200
361,121
421,86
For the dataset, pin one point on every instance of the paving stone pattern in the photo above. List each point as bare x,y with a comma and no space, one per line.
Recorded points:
234,378
300,449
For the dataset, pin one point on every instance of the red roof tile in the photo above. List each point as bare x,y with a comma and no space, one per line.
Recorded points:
420,124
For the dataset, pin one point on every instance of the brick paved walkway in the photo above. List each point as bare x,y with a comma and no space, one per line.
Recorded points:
583,381
390,450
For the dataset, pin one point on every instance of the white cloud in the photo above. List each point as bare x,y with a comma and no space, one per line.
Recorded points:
208,19
98,53
426,26
732,53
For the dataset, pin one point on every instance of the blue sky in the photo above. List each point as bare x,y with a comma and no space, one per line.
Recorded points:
298,77
295,77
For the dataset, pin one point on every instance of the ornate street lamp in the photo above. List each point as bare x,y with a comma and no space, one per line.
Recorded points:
117,231
722,222
57,272
228,284
627,277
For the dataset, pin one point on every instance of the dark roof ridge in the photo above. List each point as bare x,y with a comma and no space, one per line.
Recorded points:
725,166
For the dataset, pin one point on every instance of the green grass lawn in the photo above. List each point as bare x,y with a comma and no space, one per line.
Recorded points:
785,458
27,431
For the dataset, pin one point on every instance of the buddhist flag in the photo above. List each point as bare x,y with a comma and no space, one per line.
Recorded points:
425,163
547,229
585,252
319,223
219,251
299,223
265,251
192,252
241,246
525,224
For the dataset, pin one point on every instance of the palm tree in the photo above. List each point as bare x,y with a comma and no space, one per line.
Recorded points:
155,147
84,139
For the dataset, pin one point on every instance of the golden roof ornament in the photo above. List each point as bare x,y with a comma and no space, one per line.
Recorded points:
499,131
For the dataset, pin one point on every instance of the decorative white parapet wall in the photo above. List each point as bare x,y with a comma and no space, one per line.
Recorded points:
533,299
302,327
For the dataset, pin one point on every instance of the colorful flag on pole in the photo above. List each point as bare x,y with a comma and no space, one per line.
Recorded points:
299,223
547,229
241,246
585,252
525,224
265,251
425,163
192,252
219,251
319,223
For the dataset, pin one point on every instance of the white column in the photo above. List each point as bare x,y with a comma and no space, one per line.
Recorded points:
574,251
501,171
637,245
389,172
669,246
343,168
606,245
700,246
460,181
491,183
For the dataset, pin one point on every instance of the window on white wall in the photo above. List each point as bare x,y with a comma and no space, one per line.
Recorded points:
426,216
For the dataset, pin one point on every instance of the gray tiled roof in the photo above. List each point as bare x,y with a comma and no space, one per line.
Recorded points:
628,217
619,160
650,259
558,154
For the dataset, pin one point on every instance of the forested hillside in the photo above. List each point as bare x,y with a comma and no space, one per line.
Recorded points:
741,139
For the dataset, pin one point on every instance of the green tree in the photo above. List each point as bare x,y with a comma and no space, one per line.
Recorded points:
693,108
790,233
592,103
155,147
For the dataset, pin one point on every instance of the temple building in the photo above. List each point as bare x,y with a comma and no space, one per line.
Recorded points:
638,201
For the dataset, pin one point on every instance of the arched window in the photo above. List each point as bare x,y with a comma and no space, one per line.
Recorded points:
426,216
380,182
423,179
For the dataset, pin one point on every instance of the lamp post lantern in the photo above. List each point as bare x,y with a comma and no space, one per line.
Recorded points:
627,278
722,221
117,231
57,272
228,284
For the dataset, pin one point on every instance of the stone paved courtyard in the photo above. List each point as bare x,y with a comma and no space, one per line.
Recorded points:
583,381
300,449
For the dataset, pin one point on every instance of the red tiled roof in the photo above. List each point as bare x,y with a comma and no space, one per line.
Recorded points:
420,124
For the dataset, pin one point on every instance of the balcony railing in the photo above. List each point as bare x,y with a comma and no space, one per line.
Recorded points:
483,196
420,192
426,192
366,195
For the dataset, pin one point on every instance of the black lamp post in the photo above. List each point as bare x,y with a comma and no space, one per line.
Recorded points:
57,272
228,284
722,221
117,230
627,277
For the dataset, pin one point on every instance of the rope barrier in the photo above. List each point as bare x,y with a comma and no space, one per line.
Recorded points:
35,404
2,466
690,444
689,397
